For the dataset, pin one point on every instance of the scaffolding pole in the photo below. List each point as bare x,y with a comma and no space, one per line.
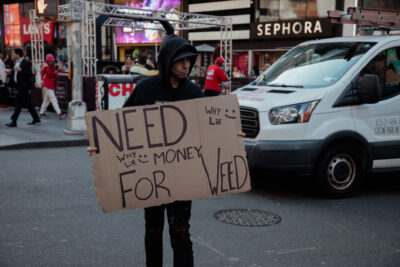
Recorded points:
226,48
89,41
37,45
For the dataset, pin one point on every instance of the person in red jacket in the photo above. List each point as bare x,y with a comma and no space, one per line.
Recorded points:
49,77
215,75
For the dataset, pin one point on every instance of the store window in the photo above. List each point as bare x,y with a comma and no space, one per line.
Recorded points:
240,64
273,10
381,4
292,9
269,10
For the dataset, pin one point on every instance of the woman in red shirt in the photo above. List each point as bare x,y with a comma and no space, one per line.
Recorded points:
49,77
215,75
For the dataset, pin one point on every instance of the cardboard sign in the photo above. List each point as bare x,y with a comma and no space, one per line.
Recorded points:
152,155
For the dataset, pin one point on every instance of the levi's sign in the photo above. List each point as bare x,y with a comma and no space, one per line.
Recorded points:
151,155
291,29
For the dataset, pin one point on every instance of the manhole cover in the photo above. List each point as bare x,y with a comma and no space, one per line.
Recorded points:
246,217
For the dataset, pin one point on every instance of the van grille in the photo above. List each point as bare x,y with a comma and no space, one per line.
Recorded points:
250,122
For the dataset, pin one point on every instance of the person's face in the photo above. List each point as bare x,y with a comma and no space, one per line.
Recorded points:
14,55
180,68
128,61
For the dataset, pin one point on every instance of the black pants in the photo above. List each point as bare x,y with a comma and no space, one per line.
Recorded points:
23,98
178,214
4,95
209,92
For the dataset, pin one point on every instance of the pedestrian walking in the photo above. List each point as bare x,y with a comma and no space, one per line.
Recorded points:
23,79
215,75
3,82
9,64
49,77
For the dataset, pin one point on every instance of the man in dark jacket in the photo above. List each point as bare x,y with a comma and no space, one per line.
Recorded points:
176,59
22,76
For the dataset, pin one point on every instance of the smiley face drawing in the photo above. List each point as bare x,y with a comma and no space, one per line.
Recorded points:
143,158
230,116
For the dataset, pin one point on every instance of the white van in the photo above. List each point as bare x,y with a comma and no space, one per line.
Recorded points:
328,107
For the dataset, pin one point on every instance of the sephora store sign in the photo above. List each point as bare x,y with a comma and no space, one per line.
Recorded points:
291,29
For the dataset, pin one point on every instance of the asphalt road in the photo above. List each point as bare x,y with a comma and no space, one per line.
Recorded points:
49,217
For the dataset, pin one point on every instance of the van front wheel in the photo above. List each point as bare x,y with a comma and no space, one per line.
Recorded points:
339,171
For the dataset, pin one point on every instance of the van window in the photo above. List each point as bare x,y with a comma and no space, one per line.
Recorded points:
392,78
313,65
387,66
377,67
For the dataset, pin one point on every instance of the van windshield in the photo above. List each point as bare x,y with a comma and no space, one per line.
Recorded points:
313,65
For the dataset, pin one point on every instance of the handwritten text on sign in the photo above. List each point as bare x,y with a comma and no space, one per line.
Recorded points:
157,154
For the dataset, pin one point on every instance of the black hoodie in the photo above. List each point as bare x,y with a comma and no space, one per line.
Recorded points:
158,89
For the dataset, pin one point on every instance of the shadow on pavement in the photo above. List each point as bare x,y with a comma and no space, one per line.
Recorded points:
297,186
381,183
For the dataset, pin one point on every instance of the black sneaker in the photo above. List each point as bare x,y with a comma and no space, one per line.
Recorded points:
12,124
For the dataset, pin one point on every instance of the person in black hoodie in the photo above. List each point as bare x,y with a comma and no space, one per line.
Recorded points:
176,59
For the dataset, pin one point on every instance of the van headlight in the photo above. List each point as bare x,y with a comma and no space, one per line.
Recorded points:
292,114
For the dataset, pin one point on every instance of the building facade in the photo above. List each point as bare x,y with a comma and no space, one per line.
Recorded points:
263,30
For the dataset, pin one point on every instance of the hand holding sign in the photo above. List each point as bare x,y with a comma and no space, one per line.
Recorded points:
91,150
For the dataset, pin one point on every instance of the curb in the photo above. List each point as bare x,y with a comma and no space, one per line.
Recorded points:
47,144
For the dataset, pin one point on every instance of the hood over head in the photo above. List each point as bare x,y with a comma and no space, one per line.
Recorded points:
49,57
174,48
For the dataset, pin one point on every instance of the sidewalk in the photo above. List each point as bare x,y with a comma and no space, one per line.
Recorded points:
47,133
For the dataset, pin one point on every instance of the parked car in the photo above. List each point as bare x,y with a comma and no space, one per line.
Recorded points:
329,108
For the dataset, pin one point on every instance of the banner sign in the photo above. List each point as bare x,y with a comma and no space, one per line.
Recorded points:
117,94
312,28
156,154
48,30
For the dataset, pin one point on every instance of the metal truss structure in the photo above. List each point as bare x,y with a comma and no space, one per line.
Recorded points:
37,44
146,19
89,41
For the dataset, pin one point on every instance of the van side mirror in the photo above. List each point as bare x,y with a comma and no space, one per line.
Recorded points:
368,92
